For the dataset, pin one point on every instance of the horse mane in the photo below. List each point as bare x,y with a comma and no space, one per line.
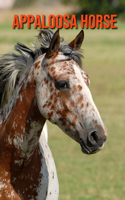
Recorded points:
13,65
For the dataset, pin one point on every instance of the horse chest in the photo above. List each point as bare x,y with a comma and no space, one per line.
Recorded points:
38,181
42,182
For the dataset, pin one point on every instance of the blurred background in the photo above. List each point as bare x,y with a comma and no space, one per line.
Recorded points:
83,177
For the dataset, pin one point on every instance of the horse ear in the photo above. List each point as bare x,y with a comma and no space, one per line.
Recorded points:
54,45
77,42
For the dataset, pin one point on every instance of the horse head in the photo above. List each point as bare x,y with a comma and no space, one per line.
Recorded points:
63,94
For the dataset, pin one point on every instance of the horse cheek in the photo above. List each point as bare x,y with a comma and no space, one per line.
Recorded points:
42,99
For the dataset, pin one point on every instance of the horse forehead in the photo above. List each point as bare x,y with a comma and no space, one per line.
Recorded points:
62,66
65,67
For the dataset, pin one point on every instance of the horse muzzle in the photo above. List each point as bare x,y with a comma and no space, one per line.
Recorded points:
93,143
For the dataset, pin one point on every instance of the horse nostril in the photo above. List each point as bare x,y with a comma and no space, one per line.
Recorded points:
93,138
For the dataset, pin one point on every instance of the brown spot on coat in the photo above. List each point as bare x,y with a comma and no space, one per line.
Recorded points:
79,87
51,97
51,90
46,81
51,84
82,105
79,99
52,107
74,89
87,104
74,121
52,69
50,114
37,65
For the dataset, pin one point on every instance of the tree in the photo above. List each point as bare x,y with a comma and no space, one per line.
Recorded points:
99,6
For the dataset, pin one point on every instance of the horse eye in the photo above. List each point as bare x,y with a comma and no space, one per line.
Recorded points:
62,85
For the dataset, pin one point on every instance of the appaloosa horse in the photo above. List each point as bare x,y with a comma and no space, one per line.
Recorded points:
36,85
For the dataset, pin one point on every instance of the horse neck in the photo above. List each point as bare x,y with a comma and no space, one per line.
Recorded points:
20,136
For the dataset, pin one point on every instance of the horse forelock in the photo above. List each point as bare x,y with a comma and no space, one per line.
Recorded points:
45,37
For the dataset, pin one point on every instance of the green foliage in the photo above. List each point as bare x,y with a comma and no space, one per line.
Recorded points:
96,7
99,6
122,2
